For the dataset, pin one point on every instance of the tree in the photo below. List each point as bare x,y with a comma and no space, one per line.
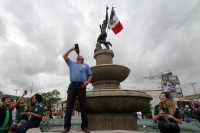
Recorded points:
51,98
146,110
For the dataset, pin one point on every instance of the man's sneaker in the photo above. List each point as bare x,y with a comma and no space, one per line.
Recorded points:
86,130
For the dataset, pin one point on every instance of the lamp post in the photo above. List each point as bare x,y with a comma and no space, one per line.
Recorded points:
16,90
31,89
194,90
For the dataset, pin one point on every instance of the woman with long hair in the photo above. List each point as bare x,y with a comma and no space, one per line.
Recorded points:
167,114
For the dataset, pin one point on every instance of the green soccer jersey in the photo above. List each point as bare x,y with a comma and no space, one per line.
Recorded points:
177,114
37,109
19,110
187,113
5,123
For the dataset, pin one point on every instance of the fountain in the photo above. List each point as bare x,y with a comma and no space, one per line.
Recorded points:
109,107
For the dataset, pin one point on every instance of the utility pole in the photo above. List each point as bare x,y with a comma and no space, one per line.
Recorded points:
16,90
194,90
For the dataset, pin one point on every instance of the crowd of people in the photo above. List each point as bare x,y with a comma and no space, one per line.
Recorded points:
190,114
18,117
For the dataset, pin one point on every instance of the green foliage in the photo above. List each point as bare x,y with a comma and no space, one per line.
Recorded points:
51,98
146,110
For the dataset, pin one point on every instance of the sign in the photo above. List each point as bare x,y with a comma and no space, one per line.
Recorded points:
171,84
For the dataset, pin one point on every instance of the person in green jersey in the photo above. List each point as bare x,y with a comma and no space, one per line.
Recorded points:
188,114
21,106
6,115
35,116
167,115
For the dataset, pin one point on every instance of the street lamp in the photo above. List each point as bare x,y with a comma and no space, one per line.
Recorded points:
31,89
194,90
16,90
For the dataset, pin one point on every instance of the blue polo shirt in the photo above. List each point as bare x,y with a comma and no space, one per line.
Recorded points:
78,71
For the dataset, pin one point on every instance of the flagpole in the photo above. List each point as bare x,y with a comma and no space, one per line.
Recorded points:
108,20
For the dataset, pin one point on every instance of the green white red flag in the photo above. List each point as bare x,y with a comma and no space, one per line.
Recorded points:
114,22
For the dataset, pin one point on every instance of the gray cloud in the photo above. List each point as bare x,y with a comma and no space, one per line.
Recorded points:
158,34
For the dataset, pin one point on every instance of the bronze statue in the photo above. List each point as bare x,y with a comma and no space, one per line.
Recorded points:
103,35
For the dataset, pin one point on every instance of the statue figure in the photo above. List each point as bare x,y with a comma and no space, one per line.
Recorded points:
103,35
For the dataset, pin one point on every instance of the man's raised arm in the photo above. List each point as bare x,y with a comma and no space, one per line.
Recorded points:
31,98
65,56
19,100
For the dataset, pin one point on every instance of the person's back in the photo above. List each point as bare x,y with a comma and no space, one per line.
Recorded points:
187,113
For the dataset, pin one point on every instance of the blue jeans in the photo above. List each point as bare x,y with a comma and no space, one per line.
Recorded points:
189,120
3,131
166,128
27,125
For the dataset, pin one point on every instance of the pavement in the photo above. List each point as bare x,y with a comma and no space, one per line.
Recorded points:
37,130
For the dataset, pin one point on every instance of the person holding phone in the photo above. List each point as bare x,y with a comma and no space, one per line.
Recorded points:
20,119
80,77
167,115
35,116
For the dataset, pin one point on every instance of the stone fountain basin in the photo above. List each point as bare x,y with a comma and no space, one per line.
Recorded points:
109,72
115,101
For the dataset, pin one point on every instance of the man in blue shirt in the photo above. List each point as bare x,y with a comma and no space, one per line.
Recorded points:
80,77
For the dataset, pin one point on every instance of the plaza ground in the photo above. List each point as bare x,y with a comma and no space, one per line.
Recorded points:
37,130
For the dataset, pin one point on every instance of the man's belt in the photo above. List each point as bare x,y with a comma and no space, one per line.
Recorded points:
77,83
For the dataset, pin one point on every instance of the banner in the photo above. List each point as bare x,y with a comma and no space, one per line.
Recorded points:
171,84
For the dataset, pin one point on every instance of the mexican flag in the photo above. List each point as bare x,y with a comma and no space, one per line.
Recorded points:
114,22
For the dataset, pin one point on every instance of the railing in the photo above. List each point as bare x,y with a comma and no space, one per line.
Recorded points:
57,125
151,126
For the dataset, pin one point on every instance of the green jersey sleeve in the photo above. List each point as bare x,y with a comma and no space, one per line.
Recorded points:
156,111
178,114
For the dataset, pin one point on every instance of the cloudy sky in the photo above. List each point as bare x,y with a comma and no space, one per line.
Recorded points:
157,36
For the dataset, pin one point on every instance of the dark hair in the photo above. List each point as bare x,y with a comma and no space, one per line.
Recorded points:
167,95
3,99
38,97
